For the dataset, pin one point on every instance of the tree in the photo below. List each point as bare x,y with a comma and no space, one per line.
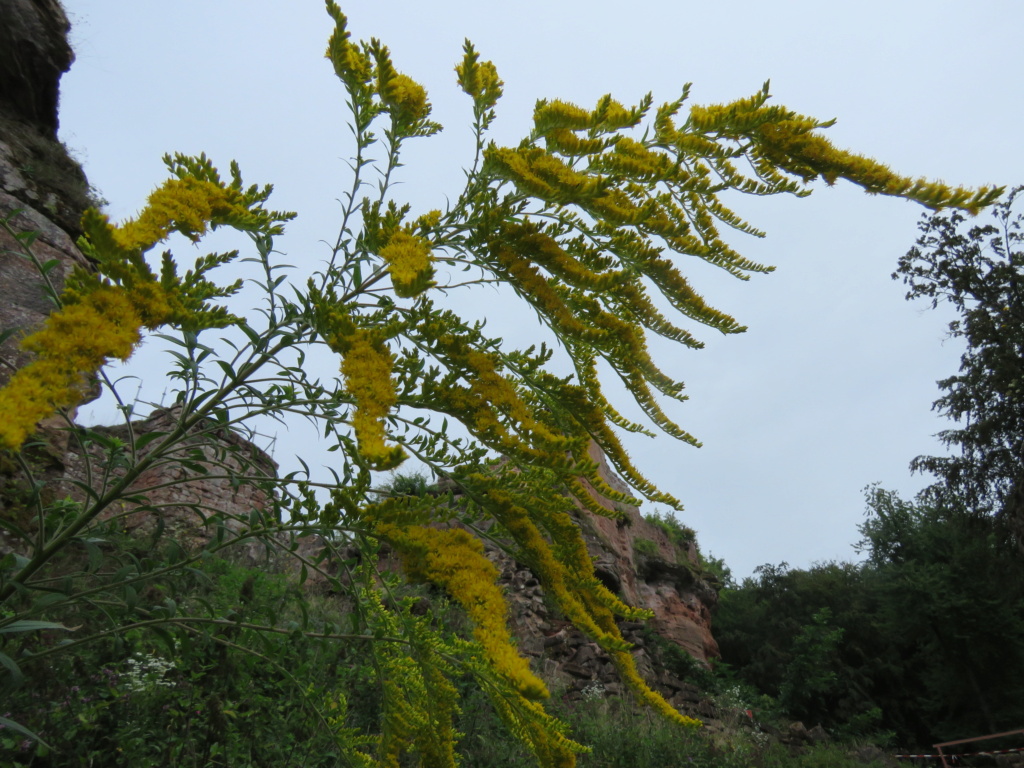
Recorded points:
979,270
807,638
949,592
580,220
925,639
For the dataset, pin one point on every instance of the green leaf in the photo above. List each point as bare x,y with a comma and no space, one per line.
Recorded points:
30,625
28,237
166,638
6,333
95,555
16,674
148,438
7,723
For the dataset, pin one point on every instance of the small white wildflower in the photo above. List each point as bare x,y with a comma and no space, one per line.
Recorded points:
146,673
593,692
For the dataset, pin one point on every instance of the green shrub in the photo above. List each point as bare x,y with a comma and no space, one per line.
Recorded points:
679,534
644,547
194,695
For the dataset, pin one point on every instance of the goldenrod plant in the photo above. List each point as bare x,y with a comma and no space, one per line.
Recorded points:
584,220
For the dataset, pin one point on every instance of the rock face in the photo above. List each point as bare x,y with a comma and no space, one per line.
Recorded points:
34,53
577,667
35,168
638,561
37,177
42,190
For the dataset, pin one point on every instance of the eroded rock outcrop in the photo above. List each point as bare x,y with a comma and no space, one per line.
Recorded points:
42,191
35,168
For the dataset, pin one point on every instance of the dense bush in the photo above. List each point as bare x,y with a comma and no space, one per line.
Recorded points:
925,640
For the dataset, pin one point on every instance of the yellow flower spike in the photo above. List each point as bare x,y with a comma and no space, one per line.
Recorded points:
351,65
566,142
187,206
429,220
543,562
72,346
544,735
793,147
419,700
409,263
454,560
479,79
366,367
406,98
549,115
626,667
402,96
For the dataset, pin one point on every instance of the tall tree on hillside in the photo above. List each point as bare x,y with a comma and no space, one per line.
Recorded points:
979,270
949,592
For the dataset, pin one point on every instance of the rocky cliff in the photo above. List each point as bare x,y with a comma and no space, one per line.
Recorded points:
44,191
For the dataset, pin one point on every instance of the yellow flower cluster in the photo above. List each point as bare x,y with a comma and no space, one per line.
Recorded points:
103,312
366,366
581,319
419,701
607,116
406,98
410,264
429,220
185,205
792,146
632,159
453,560
73,344
549,115
626,666
782,140
564,141
541,174
479,79
554,574
555,430
350,739
491,406
351,65
402,97
543,734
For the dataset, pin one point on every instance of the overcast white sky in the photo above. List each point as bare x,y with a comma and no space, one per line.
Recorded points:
831,387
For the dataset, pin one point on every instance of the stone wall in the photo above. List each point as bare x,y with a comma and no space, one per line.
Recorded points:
214,472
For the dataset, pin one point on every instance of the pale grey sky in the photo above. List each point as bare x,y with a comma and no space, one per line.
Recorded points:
831,387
